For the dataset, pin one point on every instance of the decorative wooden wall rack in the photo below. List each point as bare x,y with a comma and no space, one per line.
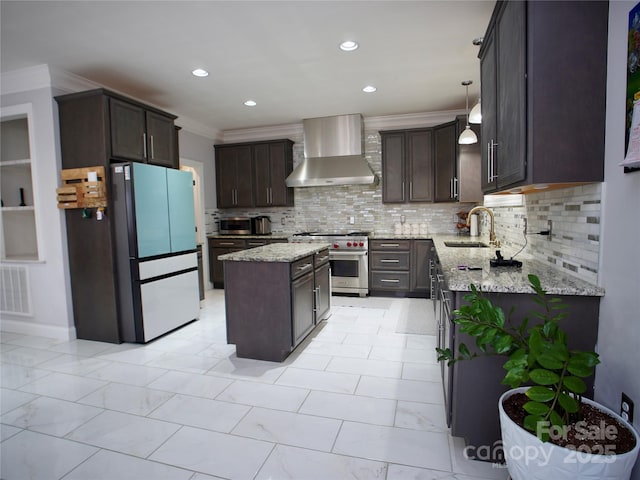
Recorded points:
78,192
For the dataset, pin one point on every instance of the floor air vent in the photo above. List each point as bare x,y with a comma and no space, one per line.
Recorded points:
14,290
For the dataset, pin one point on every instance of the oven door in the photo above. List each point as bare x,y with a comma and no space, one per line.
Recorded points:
349,272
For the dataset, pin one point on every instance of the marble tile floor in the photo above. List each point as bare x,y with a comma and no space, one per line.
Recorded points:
356,400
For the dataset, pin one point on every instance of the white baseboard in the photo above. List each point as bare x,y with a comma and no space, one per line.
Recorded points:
38,329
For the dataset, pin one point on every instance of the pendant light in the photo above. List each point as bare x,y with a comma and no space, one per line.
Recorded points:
468,136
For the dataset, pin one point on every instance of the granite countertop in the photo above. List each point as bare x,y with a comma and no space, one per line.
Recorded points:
275,236
276,252
503,279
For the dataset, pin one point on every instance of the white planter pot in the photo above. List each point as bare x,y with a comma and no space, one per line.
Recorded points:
528,458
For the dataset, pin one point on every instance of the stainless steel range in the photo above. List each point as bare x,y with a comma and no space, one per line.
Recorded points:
349,258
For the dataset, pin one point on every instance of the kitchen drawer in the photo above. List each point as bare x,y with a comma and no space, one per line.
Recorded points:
321,258
390,245
389,261
389,281
227,243
302,266
258,242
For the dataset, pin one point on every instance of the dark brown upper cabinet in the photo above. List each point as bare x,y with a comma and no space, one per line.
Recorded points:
457,167
234,185
99,126
543,94
253,174
407,165
273,161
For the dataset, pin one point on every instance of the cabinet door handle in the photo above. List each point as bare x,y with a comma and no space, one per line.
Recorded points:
304,267
144,144
390,280
455,187
384,260
231,244
389,244
403,191
410,190
488,162
152,154
451,188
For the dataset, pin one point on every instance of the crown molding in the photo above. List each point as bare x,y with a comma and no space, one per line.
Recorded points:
25,79
263,133
198,128
411,120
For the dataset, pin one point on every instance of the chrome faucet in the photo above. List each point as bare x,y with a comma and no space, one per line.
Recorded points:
492,232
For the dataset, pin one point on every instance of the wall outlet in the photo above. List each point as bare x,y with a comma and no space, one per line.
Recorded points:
549,226
626,408
524,223
352,220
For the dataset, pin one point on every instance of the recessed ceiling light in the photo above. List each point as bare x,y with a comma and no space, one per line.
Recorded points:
369,89
349,46
250,103
200,72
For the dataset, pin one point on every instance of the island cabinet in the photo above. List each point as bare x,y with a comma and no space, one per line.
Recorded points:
399,267
99,126
272,304
253,174
407,165
222,246
543,94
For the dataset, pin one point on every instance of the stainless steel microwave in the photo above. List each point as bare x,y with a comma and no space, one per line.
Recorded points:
235,226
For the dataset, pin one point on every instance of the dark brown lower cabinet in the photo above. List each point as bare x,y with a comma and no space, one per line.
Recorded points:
399,267
475,385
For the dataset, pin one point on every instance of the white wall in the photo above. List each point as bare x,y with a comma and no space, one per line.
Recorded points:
200,148
619,331
49,278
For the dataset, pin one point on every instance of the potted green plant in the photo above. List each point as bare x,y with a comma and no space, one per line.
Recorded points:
548,428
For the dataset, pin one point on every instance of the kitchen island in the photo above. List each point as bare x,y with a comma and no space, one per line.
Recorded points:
275,295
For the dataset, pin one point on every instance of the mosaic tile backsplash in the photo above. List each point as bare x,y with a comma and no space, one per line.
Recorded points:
575,214
330,208
574,246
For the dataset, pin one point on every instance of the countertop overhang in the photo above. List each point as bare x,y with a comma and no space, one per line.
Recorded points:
275,252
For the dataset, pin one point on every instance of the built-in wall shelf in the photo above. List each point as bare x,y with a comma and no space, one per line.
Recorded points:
11,163
18,212
28,208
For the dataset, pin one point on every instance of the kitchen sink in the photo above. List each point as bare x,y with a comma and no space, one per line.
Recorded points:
466,244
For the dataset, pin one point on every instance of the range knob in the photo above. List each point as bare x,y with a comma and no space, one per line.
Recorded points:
335,245
362,244
348,244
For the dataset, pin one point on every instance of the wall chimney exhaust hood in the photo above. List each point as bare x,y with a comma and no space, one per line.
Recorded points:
333,153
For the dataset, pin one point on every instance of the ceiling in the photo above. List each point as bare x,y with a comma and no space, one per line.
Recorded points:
282,54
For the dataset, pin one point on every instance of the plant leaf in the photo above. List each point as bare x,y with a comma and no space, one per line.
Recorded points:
536,408
574,384
503,344
544,377
531,422
549,361
540,394
589,359
569,403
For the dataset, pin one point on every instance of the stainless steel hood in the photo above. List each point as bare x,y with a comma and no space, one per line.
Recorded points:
334,153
